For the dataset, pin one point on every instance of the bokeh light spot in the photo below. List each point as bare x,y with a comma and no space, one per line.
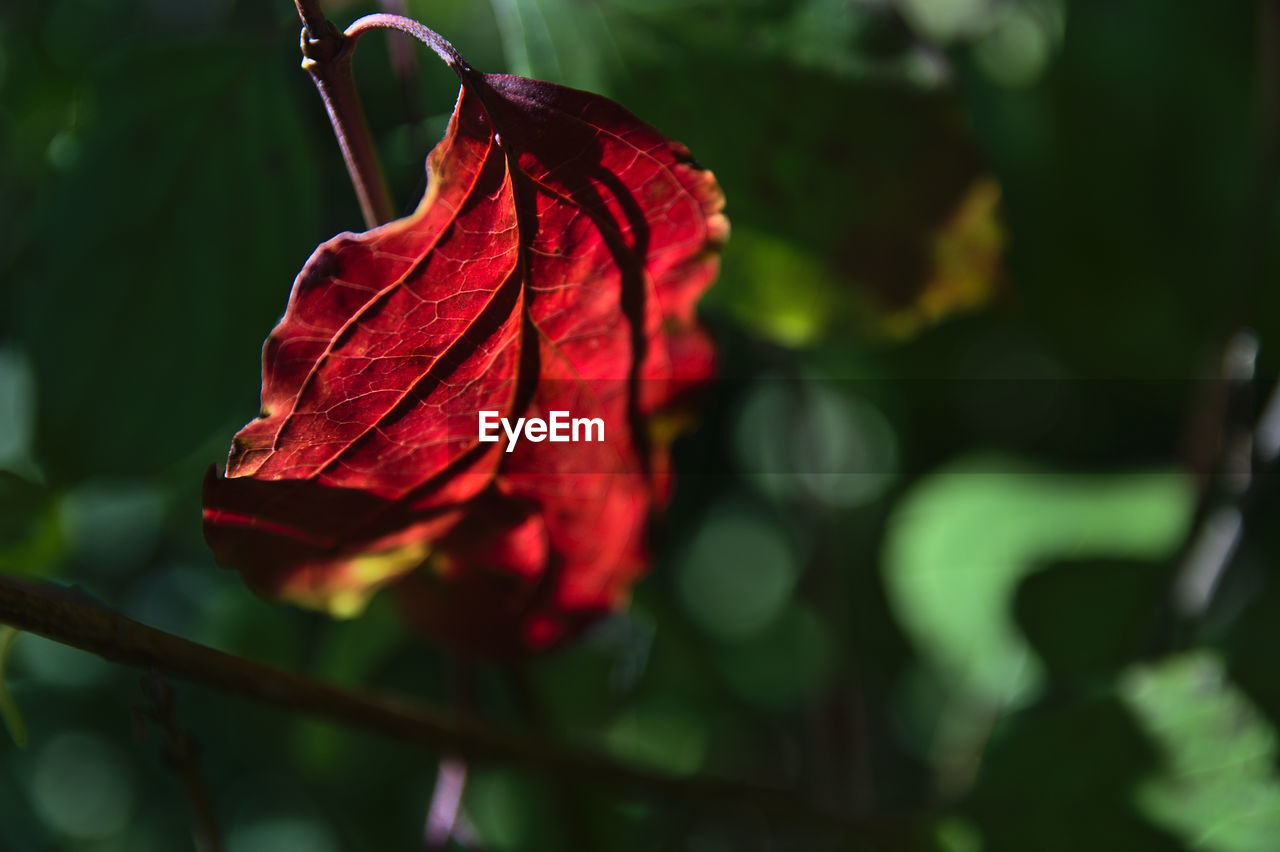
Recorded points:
1018,49
803,439
737,573
82,787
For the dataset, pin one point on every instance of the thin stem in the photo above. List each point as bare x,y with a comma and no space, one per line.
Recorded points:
424,34
327,58
72,619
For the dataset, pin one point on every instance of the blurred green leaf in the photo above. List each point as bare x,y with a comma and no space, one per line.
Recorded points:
1219,789
964,538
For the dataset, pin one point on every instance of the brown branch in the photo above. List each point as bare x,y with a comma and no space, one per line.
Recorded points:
72,619
327,58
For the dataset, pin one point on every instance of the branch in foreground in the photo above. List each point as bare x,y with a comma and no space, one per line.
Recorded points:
70,618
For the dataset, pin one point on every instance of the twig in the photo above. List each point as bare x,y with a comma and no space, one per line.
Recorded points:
327,58
70,618
180,752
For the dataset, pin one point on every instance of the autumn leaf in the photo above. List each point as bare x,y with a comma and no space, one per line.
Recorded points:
553,264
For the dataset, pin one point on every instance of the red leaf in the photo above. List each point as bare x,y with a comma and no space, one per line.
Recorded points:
553,265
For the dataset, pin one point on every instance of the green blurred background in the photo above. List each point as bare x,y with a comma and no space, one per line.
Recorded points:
926,552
